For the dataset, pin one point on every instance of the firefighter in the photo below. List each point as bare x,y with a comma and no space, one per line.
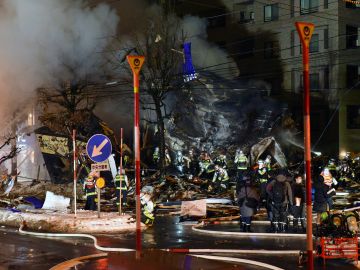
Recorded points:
298,208
192,163
221,160
221,178
90,193
205,164
148,206
167,157
156,156
121,179
280,193
181,162
262,178
241,163
126,160
267,163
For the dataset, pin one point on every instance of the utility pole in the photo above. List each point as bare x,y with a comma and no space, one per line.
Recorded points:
136,63
305,31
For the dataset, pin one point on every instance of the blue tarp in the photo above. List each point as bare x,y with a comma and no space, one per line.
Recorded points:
37,203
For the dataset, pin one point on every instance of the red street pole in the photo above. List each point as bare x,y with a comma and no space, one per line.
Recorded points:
307,143
74,158
135,64
305,31
121,160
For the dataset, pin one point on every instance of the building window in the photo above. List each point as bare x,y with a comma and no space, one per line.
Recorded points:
219,21
327,78
293,80
352,76
252,15
270,49
314,43
246,47
326,4
244,18
271,12
309,6
351,37
353,117
314,82
326,38
292,43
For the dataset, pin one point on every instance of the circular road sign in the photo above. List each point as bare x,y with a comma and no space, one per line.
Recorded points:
99,148
100,182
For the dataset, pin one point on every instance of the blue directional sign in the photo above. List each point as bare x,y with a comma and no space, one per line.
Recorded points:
99,148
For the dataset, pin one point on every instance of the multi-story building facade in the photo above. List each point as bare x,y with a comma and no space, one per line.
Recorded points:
334,54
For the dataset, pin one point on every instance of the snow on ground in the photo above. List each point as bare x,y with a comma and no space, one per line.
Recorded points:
83,222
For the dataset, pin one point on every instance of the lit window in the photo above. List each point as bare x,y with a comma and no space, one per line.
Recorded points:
309,6
271,12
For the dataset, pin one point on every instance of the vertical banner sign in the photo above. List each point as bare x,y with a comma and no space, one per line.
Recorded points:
188,68
136,63
305,31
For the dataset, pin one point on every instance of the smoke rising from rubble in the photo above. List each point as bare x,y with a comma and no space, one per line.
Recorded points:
39,37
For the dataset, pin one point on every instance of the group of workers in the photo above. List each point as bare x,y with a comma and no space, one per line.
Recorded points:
260,186
121,184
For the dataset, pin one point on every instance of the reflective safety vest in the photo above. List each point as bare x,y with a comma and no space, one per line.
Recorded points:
241,162
120,178
262,175
90,188
332,167
148,213
221,176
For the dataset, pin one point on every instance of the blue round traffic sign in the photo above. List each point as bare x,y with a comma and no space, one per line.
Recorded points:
99,148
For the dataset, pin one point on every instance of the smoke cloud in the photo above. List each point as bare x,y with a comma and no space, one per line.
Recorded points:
39,38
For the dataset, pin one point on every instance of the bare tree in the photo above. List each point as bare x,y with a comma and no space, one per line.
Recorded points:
160,42
66,106
11,153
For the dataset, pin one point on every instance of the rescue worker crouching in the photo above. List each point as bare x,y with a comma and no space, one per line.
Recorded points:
90,193
220,179
148,207
121,183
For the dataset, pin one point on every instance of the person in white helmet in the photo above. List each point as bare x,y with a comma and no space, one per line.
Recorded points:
241,163
180,162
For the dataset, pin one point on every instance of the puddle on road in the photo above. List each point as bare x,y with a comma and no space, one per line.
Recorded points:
155,260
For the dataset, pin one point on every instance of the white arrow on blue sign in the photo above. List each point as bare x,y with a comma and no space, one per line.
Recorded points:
99,148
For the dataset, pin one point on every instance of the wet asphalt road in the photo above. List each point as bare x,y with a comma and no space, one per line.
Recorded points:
27,252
